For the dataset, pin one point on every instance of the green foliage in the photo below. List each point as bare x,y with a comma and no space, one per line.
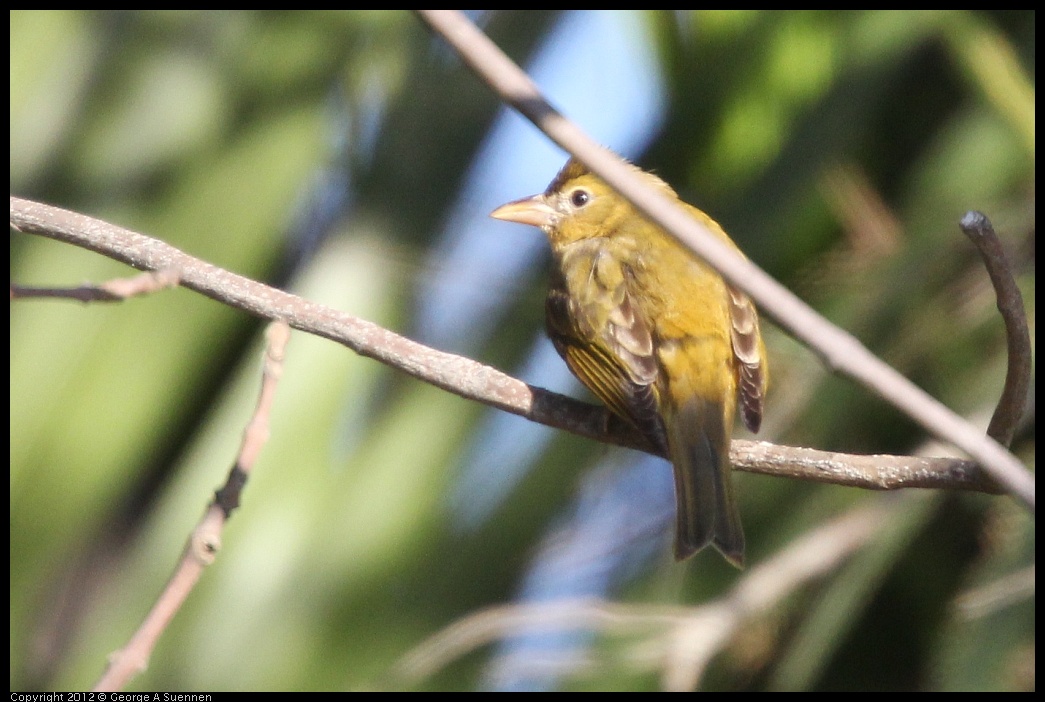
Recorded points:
839,149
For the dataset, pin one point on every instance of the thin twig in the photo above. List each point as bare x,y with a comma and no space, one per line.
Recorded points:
205,540
840,350
709,628
494,623
115,290
687,638
1014,395
468,378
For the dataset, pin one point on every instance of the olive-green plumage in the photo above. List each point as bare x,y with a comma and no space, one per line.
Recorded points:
657,335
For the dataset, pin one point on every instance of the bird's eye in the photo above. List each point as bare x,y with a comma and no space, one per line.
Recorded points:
580,197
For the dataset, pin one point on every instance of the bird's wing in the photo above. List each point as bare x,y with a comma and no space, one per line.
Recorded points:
752,374
599,331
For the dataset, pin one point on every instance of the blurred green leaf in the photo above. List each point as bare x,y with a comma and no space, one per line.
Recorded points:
323,151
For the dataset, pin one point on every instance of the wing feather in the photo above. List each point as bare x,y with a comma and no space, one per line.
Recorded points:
751,358
604,339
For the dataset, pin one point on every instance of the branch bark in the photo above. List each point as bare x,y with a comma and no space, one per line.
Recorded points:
1017,335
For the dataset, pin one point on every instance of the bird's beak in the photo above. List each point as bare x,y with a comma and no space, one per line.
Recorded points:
530,210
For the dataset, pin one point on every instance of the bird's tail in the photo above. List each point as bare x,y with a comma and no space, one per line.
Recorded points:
698,440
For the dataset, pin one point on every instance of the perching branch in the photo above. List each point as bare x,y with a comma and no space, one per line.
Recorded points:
468,378
205,540
840,350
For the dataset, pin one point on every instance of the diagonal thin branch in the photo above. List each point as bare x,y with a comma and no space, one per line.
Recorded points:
840,350
205,540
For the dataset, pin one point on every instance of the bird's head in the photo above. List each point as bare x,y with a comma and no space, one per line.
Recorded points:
577,205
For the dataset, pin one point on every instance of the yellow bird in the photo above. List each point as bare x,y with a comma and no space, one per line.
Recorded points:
656,334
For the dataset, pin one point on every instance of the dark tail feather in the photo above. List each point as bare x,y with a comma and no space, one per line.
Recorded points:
706,509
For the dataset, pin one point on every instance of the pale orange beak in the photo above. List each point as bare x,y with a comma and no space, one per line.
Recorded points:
530,210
